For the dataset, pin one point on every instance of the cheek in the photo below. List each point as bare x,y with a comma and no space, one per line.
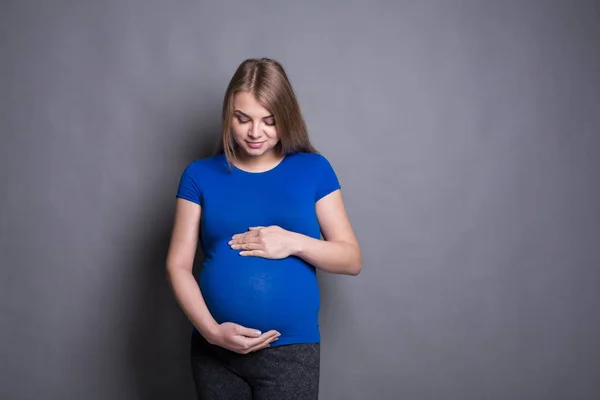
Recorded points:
238,131
272,133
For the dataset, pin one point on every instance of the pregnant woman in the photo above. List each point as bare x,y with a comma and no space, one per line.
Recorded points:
268,211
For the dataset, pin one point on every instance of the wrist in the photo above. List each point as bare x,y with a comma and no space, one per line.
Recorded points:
210,332
297,244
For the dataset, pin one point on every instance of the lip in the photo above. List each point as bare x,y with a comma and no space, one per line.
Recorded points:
255,145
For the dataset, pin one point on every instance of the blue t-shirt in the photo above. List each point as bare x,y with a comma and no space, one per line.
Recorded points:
256,292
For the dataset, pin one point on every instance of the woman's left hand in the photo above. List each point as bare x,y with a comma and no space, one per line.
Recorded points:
271,242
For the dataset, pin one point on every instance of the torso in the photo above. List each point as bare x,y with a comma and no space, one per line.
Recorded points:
256,292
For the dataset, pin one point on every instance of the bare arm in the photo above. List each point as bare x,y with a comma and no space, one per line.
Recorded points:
339,253
180,260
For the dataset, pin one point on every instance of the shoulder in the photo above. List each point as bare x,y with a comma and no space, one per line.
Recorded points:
318,170
206,166
310,160
199,175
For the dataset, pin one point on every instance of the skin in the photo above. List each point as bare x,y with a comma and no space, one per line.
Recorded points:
339,253
252,123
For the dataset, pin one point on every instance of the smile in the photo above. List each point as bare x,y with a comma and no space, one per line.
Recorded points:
255,145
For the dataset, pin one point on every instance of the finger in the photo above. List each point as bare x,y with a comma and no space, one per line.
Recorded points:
253,231
243,234
238,236
244,349
254,341
272,332
245,239
265,339
247,246
255,228
253,253
262,345
248,332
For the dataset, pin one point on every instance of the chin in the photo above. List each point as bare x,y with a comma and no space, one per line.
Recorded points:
254,152
257,152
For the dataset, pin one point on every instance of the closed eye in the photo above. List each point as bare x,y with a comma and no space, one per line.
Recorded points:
242,118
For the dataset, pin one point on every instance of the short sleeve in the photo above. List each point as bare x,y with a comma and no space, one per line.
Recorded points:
327,180
188,188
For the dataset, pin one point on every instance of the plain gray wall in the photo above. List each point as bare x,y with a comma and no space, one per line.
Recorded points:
466,138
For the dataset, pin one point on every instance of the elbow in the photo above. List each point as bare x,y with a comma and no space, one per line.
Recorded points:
355,268
169,274
173,270
169,270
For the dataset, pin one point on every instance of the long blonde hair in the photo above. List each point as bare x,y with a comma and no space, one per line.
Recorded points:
267,81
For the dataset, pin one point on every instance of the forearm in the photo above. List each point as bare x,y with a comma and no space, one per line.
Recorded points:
328,256
189,297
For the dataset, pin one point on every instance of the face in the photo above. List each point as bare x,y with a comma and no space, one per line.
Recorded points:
253,126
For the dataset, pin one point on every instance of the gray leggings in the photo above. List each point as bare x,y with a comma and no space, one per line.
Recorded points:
286,372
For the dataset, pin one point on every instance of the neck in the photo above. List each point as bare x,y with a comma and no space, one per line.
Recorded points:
261,163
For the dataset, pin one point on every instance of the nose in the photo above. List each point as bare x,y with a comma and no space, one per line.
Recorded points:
254,132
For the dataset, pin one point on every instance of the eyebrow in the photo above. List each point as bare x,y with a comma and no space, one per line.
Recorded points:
247,116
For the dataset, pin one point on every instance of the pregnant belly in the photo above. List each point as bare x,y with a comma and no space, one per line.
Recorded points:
260,293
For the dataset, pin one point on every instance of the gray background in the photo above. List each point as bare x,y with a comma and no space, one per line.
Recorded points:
465,135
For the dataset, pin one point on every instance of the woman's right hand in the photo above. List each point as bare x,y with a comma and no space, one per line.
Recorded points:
240,339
